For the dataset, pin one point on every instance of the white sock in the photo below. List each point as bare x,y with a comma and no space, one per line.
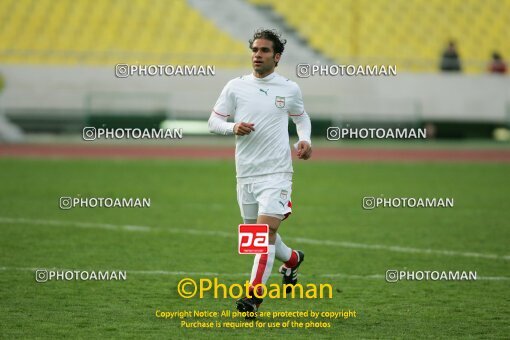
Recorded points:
262,266
283,252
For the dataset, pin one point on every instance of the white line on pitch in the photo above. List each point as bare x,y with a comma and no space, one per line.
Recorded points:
330,243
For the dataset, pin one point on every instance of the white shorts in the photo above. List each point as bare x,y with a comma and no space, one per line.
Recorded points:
270,198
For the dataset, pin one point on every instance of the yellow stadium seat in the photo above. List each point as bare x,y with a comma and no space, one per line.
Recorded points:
411,34
102,32
398,31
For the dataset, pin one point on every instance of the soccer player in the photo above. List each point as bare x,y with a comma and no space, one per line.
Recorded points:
261,104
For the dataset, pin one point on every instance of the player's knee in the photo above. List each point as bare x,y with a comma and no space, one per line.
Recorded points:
272,237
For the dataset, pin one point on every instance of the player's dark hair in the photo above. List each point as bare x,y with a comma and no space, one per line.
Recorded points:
272,35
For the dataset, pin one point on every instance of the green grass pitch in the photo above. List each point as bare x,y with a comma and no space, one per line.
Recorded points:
190,196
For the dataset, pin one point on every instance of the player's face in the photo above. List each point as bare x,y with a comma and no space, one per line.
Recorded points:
263,57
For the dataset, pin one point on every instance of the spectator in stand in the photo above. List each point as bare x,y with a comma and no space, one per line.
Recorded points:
450,60
497,64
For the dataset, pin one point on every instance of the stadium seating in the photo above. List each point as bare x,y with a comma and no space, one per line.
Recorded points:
411,34
113,31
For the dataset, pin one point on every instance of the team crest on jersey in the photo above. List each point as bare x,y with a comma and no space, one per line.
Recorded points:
283,194
279,102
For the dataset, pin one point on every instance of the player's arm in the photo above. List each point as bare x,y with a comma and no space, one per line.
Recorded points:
226,104
218,124
304,130
303,125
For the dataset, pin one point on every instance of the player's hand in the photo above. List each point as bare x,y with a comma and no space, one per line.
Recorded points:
242,129
304,150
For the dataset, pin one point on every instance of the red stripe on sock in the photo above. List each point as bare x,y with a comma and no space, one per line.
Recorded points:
260,270
292,262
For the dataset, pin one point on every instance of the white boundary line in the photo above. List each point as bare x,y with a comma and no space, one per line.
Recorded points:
339,244
247,275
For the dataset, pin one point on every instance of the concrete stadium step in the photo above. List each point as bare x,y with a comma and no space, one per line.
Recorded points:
240,19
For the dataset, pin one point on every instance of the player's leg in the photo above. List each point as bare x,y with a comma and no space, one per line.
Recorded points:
263,263
274,206
249,207
249,197
262,266
291,259
273,198
289,269
284,253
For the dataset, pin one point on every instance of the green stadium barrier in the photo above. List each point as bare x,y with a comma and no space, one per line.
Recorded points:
126,110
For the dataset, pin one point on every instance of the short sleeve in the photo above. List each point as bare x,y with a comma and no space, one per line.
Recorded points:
225,105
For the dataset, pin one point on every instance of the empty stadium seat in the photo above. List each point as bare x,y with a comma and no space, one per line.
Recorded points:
410,34
112,31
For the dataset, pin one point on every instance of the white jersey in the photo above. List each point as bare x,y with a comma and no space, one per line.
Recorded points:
267,103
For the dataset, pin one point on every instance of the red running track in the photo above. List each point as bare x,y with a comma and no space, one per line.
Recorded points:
161,152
